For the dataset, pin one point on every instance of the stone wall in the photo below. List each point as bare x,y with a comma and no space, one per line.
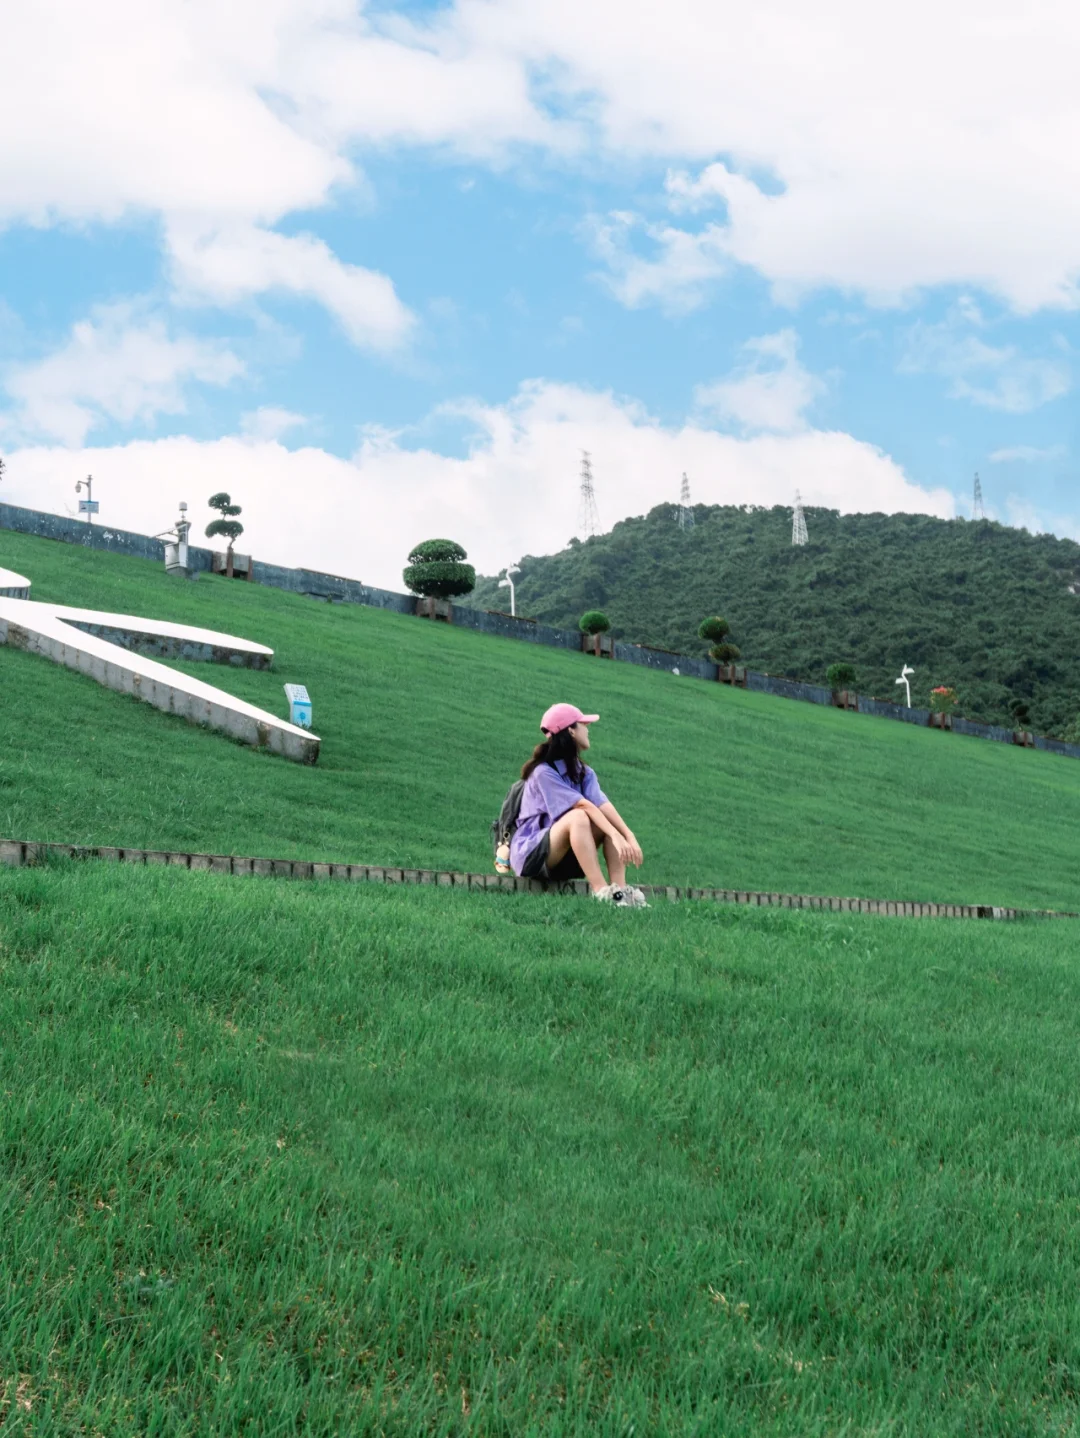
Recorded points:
16,853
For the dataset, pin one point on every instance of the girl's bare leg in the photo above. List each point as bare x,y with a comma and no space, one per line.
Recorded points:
615,866
575,831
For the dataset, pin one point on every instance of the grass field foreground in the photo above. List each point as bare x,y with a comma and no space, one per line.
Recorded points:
424,726
285,1158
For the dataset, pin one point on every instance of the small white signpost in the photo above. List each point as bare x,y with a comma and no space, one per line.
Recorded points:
299,705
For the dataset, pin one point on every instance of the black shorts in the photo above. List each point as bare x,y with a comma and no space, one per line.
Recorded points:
536,864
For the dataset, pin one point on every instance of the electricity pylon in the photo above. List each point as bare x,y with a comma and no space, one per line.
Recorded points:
588,514
978,510
798,522
685,517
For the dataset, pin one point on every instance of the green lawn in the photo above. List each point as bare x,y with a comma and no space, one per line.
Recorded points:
424,727
283,1158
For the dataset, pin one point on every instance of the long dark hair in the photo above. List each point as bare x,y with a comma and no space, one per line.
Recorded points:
556,746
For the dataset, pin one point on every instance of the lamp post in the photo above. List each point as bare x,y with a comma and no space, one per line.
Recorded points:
904,681
508,582
88,506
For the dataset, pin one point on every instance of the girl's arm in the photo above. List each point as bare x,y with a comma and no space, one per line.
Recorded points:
612,814
606,817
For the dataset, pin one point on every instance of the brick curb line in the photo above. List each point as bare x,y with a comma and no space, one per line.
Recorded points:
18,853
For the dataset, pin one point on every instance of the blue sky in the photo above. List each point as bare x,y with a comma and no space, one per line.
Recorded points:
383,272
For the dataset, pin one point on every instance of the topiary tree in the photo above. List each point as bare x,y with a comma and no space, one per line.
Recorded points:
722,650
841,676
594,621
437,570
1020,710
227,526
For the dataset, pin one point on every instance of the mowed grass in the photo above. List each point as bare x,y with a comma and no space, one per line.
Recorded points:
279,1158
424,727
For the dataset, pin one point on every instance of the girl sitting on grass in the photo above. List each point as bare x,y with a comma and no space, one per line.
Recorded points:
565,816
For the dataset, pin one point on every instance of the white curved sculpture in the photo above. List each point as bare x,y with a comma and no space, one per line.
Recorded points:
114,650
13,586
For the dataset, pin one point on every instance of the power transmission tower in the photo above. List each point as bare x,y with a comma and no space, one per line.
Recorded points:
798,522
588,514
978,511
686,514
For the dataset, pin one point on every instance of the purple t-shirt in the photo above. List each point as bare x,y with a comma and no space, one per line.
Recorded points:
547,795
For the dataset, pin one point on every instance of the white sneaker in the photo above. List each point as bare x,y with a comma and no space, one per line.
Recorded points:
625,898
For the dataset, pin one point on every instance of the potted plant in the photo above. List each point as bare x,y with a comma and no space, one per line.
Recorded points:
595,639
229,527
722,651
437,573
841,680
943,702
1021,712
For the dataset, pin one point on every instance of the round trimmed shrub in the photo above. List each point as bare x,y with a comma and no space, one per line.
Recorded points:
841,676
594,621
715,628
439,551
718,629
437,570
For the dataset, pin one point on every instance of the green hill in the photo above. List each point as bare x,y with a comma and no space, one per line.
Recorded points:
993,612
424,726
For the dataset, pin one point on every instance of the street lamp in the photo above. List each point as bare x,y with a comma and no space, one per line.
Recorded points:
904,681
88,506
508,583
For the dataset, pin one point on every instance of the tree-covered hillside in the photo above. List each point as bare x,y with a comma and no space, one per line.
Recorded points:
987,610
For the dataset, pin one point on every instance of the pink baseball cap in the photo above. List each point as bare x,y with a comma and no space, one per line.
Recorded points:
561,716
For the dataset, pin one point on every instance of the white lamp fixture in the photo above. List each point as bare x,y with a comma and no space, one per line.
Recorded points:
88,506
904,681
508,582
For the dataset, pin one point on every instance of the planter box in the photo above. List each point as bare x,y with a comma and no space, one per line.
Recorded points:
240,568
845,699
940,721
734,674
601,645
435,609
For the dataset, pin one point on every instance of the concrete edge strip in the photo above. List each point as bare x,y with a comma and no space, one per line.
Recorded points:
18,853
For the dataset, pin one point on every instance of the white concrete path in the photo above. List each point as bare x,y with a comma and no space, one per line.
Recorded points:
13,586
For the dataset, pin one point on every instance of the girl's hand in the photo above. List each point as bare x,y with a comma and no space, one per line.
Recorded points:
630,852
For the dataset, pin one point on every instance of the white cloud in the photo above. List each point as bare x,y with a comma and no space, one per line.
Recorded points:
770,391
514,492
117,365
996,376
269,422
1026,454
1022,514
874,149
226,266
677,275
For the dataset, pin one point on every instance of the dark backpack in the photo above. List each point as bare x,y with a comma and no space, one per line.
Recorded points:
502,830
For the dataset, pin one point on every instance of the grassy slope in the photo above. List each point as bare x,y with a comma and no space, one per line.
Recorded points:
278,1159
424,726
